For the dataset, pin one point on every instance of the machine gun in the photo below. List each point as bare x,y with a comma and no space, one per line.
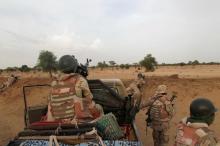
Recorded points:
83,69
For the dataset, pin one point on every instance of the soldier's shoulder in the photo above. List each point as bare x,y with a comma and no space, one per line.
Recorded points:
207,136
81,78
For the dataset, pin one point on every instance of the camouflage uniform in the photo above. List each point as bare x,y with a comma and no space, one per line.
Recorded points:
11,80
195,134
135,89
71,98
161,112
194,130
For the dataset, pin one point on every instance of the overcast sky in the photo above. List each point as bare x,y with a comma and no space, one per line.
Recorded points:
120,30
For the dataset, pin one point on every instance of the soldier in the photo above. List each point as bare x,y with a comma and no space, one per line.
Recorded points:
135,89
194,130
159,113
71,98
11,80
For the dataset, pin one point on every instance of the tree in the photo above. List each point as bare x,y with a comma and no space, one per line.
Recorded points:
190,62
24,68
127,66
195,62
102,65
47,61
122,66
135,65
112,63
182,64
149,62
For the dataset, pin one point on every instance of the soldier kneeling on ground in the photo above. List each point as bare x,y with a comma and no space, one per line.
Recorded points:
71,98
194,130
160,111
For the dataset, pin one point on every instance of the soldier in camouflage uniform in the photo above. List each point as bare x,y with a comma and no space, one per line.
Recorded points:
194,130
71,97
135,89
11,80
159,113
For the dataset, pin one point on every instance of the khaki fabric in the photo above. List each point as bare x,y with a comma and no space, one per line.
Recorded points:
140,82
135,92
10,81
71,98
161,112
195,134
160,133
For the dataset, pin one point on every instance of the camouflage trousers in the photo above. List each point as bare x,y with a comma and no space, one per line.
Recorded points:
160,133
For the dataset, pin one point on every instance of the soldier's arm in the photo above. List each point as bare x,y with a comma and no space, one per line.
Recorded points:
209,140
86,93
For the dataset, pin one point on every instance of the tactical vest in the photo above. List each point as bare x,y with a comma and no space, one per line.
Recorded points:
62,97
188,136
161,111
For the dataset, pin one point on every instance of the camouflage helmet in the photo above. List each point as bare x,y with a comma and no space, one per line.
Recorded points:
68,64
161,89
202,109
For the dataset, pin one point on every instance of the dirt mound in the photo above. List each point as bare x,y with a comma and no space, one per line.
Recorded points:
12,107
11,102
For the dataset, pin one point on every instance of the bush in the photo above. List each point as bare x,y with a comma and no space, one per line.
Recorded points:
122,66
11,69
127,66
102,65
24,68
149,62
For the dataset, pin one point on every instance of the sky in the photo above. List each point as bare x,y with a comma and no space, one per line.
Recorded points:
103,30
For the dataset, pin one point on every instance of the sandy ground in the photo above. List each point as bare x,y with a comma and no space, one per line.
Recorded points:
203,81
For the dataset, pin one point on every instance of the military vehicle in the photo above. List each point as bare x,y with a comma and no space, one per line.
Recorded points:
110,93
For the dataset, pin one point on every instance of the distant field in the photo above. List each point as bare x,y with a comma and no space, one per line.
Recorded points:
188,71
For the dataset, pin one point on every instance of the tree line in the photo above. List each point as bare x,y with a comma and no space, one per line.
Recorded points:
48,62
195,62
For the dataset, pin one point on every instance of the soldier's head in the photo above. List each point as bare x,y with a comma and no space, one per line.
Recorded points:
161,89
140,80
68,64
202,110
